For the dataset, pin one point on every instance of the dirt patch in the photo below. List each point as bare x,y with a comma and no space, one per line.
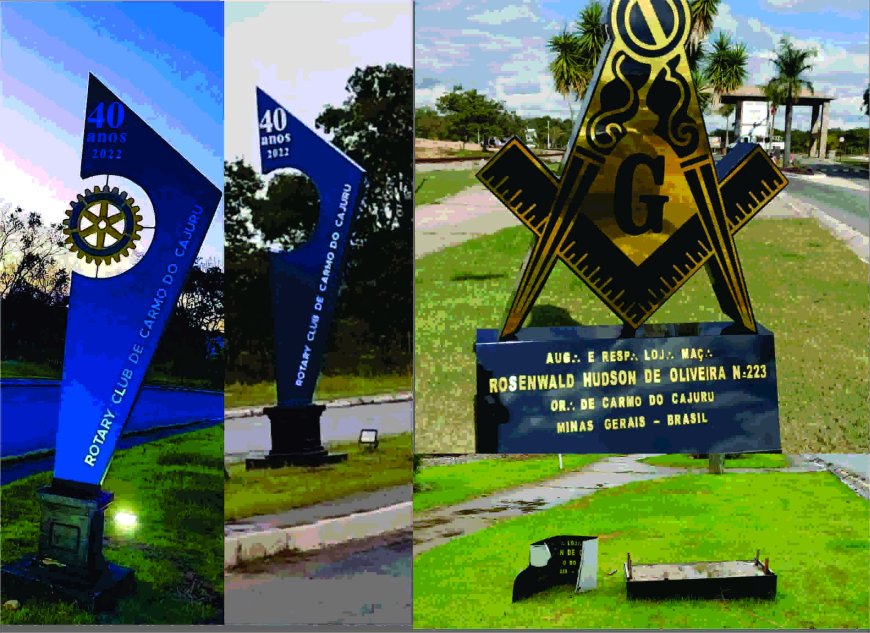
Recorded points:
427,523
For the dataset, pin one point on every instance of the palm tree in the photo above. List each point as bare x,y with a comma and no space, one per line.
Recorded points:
791,63
726,110
567,66
703,90
592,34
726,69
703,13
775,97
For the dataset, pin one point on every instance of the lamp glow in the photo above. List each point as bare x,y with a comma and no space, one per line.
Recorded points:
126,520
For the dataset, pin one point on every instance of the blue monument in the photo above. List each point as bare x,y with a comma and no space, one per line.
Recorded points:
113,327
305,282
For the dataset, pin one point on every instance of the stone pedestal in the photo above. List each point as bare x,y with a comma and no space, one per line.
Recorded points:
69,564
295,439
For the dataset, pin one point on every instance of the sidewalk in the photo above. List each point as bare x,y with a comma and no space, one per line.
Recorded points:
474,212
437,526
468,214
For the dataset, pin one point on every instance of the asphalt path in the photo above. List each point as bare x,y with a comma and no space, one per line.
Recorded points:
363,582
338,424
851,206
858,465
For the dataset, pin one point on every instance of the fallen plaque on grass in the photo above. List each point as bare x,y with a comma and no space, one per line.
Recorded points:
640,206
559,560
715,580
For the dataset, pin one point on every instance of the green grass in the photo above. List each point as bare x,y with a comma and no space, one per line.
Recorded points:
28,369
254,492
745,461
54,371
812,527
328,388
807,288
432,186
856,162
175,488
438,486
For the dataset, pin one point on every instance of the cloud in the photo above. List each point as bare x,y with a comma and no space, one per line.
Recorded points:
427,96
507,14
843,8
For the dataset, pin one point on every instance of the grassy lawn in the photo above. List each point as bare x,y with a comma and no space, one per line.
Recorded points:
249,493
745,461
54,371
449,484
438,184
175,488
807,288
852,162
328,388
812,527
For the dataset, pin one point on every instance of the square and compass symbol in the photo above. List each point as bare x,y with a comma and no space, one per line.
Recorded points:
640,205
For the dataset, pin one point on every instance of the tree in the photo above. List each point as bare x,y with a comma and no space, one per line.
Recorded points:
375,127
703,13
429,124
791,63
288,214
726,110
725,67
565,67
576,53
202,298
867,100
249,342
471,114
774,94
29,251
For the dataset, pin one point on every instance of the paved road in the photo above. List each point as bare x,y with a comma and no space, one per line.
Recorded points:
338,424
849,205
365,582
856,464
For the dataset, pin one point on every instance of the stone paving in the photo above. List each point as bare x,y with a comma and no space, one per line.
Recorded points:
440,525
475,212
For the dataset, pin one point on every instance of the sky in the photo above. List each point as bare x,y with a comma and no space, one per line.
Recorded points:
302,54
165,60
500,48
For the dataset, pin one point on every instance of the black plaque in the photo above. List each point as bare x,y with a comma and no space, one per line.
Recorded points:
669,389
559,560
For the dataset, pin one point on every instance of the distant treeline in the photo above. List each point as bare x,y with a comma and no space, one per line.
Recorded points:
467,115
34,299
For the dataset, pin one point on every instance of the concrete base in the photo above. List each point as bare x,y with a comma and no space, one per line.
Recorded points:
27,578
295,439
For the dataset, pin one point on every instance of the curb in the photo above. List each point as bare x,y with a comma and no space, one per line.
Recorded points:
857,243
256,545
405,396
859,485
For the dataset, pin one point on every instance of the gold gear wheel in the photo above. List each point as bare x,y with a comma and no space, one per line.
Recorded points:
102,225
